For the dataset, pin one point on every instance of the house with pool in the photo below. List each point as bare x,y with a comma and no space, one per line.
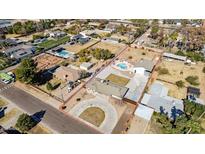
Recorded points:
122,80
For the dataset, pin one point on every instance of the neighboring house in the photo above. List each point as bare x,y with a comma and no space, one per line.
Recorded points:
107,88
19,52
148,65
158,99
81,38
67,74
86,65
57,34
111,40
175,57
111,26
144,112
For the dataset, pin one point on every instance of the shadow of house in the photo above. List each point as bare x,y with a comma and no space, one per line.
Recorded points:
38,116
2,111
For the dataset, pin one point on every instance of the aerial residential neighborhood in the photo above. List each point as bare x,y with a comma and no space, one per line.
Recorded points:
102,76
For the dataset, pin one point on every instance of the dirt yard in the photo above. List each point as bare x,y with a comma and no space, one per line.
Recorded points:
179,71
46,61
93,115
114,48
133,55
78,47
174,91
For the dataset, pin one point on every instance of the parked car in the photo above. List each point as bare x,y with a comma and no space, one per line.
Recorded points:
6,81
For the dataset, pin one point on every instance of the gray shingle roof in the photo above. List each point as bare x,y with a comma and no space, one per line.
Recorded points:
107,88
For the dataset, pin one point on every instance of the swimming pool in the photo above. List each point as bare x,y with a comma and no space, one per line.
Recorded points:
64,54
122,66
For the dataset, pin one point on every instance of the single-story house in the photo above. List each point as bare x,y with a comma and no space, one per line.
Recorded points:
66,73
111,40
107,88
175,57
81,38
147,64
86,65
19,52
10,51
144,112
57,34
158,99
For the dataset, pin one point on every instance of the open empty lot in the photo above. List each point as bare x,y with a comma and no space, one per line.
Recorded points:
134,55
179,71
114,48
78,47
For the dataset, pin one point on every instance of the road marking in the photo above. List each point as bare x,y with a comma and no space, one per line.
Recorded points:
6,87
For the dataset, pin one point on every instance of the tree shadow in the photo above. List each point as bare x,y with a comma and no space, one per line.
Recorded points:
2,111
38,116
175,112
12,130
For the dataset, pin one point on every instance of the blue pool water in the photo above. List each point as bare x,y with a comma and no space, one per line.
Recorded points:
64,54
123,66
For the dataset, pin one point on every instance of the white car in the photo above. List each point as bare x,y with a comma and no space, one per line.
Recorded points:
6,81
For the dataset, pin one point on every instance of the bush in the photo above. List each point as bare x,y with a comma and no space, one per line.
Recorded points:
143,53
25,123
49,86
203,70
180,84
193,80
130,57
84,59
163,71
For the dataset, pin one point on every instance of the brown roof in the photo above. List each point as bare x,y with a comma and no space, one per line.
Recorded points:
67,73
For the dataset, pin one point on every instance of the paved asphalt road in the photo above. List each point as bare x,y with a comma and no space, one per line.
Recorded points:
53,118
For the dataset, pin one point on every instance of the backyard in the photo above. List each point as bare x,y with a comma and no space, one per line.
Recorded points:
114,48
118,79
179,71
78,47
133,55
53,43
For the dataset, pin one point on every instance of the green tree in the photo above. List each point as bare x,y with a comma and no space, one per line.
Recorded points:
18,28
49,86
27,71
203,70
25,123
193,80
180,84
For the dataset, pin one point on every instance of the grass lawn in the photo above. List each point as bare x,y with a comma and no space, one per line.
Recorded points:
53,43
93,115
9,115
118,79
39,129
54,82
2,103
